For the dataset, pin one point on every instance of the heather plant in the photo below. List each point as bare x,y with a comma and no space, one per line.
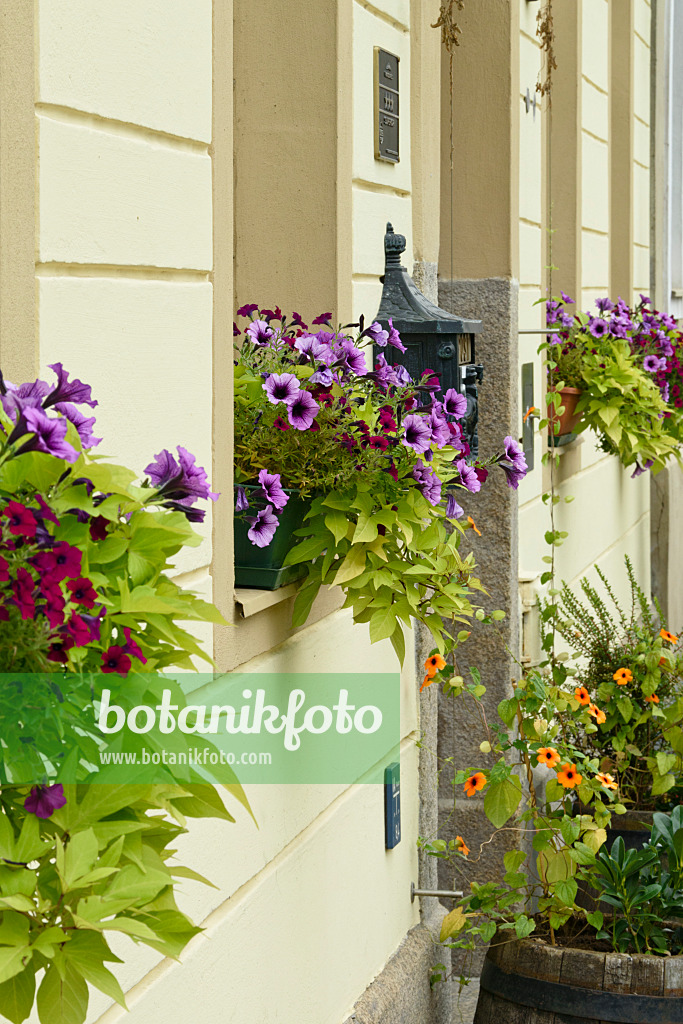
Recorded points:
382,459
85,594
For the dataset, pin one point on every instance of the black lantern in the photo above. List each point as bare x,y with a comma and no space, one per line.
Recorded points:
433,337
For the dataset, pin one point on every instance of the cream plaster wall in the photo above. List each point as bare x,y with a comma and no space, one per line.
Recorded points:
124,222
609,515
381,190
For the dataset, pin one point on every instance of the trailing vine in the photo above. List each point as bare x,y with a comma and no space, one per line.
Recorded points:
545,31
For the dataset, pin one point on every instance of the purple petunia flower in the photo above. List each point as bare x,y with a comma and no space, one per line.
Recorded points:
641,469
68,391
395,337
241,500
247,309
324,318
513,462
438,424
324,377
180,483
259,332
281,387
455,404
645,299
43,801
377,334
402,375
48,435
453,510
272,489
83,424
351,358
604,305
418,433
565,298
468,476
383,374
263,527
598,328
428,482
302,410
654,363
311,345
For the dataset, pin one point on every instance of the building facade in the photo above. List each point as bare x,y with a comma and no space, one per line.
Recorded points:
163,162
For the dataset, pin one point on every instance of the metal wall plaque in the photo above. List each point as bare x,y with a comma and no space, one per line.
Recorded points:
386,105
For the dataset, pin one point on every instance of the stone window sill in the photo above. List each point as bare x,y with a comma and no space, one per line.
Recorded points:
249,602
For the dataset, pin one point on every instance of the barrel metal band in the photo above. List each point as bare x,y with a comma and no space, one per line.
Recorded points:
572,1001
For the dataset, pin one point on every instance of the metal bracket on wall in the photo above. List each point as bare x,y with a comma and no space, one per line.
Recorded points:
433,892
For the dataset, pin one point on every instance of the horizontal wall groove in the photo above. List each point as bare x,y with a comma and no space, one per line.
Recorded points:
637,117
136,273
595,85
380,189
592,135
638,36
530,223
123,129
531,38
639,163
595,231
383,16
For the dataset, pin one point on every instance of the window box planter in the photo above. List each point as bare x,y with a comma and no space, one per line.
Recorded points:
262,568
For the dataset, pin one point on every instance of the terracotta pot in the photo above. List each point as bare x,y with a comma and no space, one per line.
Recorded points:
569,419
532,982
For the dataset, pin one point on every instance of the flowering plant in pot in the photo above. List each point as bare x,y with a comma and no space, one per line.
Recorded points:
85,592
608,359
374,453
632,665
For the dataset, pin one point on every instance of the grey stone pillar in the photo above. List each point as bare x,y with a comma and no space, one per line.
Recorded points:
494,510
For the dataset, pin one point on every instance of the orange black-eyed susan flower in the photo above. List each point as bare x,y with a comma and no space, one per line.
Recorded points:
606,780
654,699
582,695
595,712
428,682
472,523
461,846
622,676
434,664
669,637
475,782
569,777
548,756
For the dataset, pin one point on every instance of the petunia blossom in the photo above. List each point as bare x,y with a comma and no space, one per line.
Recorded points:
272,489
68,390
468,476
453,510
43,801
259,332
302,410
418,433
455,404
263,527
428,482
281,387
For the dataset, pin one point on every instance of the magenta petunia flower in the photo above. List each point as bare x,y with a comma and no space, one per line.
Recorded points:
131,646
281,387
263,527
43,801
82,592
247,309
4,570
22,522
22,589
302,410
324,318
418,433
280,424
114,659
272,489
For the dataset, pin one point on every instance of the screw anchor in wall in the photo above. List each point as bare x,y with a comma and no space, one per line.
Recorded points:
456,895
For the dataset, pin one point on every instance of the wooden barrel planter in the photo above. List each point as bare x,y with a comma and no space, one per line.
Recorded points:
532,982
